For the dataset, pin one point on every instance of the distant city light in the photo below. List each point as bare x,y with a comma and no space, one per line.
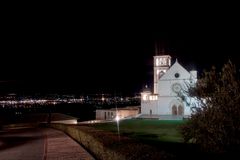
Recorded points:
20,101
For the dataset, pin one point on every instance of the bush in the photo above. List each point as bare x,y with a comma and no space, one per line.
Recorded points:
215,123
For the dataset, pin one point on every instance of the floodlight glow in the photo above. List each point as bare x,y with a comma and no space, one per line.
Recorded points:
145,97
117,118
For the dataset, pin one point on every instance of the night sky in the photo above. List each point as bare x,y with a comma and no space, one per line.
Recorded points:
110,49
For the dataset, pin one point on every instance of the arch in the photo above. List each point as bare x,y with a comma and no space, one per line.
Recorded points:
160,74
174,110
180,110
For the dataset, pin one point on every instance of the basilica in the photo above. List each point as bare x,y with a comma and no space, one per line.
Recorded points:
170,83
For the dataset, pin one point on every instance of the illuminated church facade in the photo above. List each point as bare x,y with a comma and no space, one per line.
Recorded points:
170,81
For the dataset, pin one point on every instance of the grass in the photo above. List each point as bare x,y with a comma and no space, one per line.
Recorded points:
163,135
108,146
146,130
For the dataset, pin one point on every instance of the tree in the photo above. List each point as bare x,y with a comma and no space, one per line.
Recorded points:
215,121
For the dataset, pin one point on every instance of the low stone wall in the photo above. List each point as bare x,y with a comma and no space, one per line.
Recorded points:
84,137
108,146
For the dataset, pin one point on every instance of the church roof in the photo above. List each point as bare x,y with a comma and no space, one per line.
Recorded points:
146,89
176,68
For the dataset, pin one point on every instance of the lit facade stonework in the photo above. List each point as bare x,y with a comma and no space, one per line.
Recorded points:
121,113
170,81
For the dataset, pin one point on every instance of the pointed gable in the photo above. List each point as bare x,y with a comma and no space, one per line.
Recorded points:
176,71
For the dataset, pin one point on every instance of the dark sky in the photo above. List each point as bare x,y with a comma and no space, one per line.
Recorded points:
106,49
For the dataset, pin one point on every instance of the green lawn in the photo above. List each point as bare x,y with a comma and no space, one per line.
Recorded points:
149,130
163,135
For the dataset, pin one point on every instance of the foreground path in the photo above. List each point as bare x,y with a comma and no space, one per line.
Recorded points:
61,146
40,144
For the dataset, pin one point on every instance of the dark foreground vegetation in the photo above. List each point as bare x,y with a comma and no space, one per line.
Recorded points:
215,122
139,139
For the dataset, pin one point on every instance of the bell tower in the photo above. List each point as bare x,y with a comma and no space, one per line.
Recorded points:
160,65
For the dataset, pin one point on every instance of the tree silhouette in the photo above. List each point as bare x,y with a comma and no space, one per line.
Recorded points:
215,121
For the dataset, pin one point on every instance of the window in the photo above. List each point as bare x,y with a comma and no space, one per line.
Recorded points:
177,75
176,87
